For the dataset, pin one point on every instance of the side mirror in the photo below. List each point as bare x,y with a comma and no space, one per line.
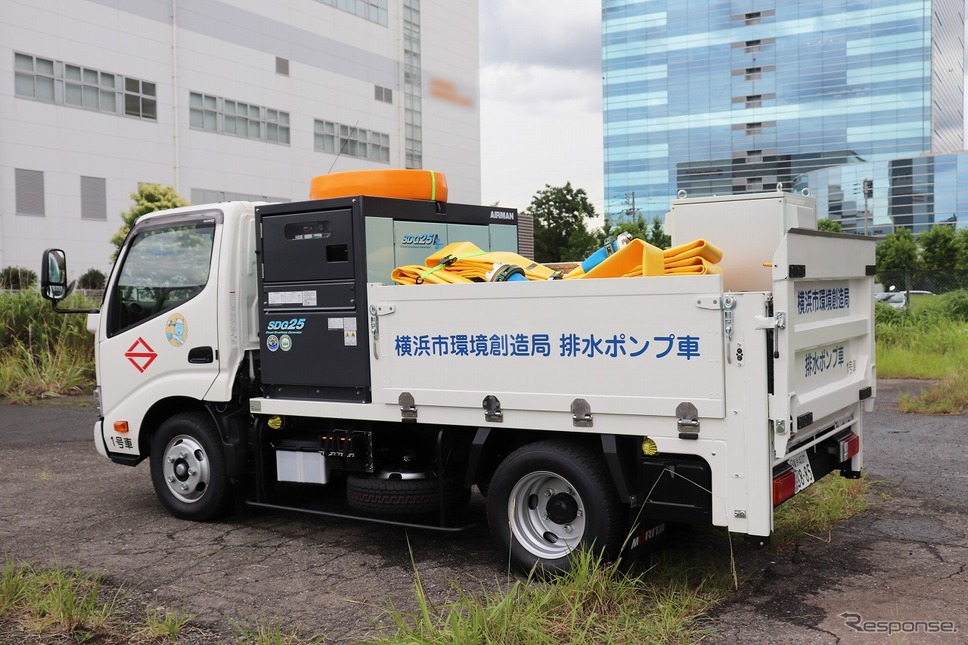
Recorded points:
53,275
53,281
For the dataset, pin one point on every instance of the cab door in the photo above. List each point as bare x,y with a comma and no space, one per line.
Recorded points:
158,333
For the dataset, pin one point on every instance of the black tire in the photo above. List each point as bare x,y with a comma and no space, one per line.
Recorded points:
188,467
550,497
378,496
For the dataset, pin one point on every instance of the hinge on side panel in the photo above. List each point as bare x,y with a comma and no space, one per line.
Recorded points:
408,409
492,409
687,420
581,414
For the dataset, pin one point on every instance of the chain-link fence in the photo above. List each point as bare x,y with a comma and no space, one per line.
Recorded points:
935,281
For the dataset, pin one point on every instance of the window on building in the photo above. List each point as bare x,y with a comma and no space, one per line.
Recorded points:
209,196
140,99
34,77
753,46
384,94
372,10
277,126
94,203
29,187
83,87
90,89
752,18
282,66
242,119
754,128
754,100
203,112
754,73
337,138
236,118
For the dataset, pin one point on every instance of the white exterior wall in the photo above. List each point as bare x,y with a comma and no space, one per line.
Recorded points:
226,49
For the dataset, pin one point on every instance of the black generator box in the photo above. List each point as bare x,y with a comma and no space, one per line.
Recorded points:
315,259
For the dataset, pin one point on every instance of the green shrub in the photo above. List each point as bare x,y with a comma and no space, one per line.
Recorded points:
954,304
17,278
92,279
42,351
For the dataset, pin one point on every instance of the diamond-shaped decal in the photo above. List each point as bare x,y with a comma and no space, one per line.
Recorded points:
140,354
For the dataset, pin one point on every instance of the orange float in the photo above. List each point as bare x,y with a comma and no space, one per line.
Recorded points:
398,183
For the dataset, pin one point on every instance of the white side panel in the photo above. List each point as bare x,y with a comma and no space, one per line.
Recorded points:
825,348
627,346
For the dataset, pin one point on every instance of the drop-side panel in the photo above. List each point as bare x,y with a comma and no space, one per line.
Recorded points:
824,348
626,346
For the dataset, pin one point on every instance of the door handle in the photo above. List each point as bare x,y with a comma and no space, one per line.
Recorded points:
201,355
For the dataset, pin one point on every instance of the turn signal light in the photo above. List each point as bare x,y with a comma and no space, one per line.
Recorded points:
784,486
120,426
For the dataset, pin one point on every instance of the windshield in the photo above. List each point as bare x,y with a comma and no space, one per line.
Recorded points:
163,268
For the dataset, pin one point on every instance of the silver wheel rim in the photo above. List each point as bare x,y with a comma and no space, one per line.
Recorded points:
547,515
186,469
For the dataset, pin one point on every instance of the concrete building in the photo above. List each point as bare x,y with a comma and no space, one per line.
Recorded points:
222,99
733,97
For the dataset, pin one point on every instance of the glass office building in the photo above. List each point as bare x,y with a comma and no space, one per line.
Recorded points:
909,192
732,97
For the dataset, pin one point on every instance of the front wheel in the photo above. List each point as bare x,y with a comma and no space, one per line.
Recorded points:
188,467
547,499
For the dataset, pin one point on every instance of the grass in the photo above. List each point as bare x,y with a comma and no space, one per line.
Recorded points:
260,632
161,623
55,602
593,602
816,510
43,353
929,341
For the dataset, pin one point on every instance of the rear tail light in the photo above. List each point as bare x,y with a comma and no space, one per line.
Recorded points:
784,486
849,446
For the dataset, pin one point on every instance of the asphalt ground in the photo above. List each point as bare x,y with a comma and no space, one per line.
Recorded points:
894,574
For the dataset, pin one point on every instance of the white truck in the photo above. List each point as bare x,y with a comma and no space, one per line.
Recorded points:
257,354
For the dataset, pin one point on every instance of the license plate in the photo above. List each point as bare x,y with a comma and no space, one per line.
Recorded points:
802,471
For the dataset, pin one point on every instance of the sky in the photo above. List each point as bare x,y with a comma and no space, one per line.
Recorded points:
541,99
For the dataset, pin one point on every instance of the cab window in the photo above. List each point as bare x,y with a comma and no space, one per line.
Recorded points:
163,268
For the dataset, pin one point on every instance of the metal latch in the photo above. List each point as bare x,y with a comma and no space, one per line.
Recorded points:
777,322
728,303
375,312
581,414
408,409
492,409
687,420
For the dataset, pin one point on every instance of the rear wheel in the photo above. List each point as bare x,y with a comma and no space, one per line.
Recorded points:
188,467
547,499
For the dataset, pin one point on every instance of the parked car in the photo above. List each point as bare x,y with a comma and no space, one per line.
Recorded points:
898,299
895,299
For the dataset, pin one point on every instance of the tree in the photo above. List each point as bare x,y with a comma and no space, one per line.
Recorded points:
634,223
829,225
961,239
148,199
560,230
939,247
897,257
657,236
